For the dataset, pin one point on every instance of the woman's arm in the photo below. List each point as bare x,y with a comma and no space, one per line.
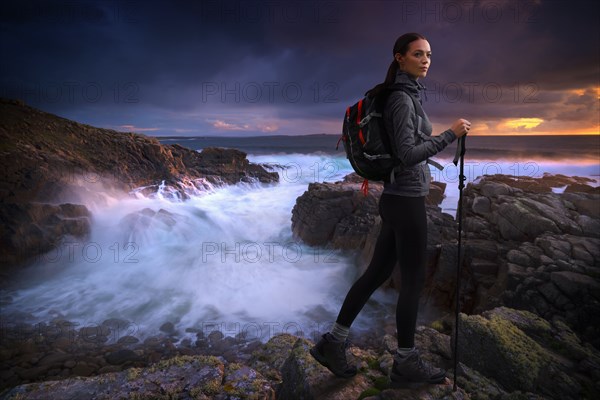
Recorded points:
403,115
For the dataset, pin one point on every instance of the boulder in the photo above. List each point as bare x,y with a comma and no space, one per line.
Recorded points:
520,223
31,229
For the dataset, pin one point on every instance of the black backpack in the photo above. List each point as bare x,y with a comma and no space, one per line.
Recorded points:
367,143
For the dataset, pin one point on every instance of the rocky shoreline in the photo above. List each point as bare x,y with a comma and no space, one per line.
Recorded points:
50,166
530,302
506,354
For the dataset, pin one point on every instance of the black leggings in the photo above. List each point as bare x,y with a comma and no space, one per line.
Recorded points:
403,238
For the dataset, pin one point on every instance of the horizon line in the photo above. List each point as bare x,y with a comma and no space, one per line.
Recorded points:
337,134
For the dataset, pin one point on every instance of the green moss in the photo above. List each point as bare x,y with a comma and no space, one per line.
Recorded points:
210,388
133,373
232,390
511,347
180,361
368,393
373,363
382,382
438,325
234,366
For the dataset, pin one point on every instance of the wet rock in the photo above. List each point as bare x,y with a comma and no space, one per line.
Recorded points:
83,369
122,356
31,229
168,328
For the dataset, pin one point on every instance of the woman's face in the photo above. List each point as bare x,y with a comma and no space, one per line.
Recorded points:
417,59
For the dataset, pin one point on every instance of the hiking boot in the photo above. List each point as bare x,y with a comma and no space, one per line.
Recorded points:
331,353
412,370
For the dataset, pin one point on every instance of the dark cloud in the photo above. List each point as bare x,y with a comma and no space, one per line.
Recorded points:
179,65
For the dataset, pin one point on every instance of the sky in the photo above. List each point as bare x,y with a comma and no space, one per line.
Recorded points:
276,67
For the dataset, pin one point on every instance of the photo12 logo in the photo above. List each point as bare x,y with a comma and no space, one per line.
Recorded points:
268,92
482,92
72,92
470,12
92,252
265,252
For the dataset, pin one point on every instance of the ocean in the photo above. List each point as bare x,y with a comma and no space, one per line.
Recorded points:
226,259
518,156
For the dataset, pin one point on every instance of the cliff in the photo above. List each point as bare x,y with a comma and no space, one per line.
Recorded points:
50,165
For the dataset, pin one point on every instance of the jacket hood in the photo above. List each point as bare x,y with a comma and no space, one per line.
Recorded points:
413,86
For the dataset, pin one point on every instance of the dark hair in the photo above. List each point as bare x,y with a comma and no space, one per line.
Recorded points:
401,46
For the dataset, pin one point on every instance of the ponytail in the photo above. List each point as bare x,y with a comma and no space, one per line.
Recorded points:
400,46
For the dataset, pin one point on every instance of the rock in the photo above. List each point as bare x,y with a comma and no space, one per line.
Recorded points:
584,203
121,356
83,369
519,257
495,189
553,247
574,284
269,359
517,222
32,229
556,214
436,193
498,349
515,274
589,225
553,295
168,328
339,208
481,205
304,378
198,377
54,359
474,382
243,381
524,352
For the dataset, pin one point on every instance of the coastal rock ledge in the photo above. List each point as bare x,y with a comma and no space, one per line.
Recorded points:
505,354
50,166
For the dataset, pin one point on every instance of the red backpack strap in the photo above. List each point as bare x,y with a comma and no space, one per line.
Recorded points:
365,187
358,119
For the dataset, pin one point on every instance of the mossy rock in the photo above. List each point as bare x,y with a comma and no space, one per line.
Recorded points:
500,350
304,378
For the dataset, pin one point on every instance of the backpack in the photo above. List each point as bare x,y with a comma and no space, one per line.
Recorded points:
367,143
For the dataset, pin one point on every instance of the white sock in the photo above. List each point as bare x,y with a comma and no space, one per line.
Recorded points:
340,332
405,351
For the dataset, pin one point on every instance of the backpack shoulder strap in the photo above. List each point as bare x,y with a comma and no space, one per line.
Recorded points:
418,108
418,112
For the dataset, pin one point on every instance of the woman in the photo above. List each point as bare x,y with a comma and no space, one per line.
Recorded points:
403,236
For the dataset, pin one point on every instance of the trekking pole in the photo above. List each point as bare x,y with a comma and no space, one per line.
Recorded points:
460,153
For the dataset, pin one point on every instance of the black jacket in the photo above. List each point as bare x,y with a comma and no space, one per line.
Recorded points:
412,177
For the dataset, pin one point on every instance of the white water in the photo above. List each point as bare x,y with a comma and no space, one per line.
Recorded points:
225,259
